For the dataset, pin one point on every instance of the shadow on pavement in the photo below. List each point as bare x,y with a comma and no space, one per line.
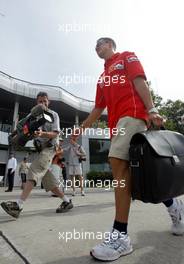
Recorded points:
75,260
77,210
161,247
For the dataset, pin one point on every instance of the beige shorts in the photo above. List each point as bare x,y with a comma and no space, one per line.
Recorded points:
39,169
75,170
120,143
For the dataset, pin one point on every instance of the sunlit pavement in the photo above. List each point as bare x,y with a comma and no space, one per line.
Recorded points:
42,236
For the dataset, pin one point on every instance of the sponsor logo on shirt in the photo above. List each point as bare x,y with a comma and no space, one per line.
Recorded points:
132,58
118,65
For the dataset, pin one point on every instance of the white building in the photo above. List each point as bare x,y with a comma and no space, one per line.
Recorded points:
17,97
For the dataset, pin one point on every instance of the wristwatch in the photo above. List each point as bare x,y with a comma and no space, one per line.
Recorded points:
153,110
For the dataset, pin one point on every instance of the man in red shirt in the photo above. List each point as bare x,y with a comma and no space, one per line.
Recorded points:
123,89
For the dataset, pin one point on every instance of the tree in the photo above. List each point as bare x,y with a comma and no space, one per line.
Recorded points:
99,124
173,111
157,99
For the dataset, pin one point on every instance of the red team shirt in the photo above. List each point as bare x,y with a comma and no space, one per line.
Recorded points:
116,91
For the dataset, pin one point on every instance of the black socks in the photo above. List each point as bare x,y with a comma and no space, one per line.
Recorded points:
121,227
168,203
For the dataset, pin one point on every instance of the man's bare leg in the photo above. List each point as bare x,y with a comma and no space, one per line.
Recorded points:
58,192
120,170
29,185
81,184
109,251
73,183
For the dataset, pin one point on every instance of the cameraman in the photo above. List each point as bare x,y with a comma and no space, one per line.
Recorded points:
46,138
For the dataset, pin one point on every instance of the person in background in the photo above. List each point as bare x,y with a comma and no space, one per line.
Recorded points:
11,167
56,170
23,170
75,152
62,165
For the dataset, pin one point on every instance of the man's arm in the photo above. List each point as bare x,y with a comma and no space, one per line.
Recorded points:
65,149
80,151
14,165
143,90
20,167
92,117
45,134
59,151
55,129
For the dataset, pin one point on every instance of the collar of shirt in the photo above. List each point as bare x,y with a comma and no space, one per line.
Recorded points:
111,59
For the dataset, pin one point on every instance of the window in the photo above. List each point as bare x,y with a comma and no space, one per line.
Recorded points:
99,149
2,169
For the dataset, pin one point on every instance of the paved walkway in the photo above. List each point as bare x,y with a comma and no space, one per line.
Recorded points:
34,237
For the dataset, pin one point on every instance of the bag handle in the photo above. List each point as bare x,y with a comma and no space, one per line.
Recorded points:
153,127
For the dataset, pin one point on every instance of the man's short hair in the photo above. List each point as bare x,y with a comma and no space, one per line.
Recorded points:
42,94
108,40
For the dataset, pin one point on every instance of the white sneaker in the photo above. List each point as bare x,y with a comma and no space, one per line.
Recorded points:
176,212
115,246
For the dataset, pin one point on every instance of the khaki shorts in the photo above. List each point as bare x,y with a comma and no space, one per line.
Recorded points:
75,170
120,143
39,169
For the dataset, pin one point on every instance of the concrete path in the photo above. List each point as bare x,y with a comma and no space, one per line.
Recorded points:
40,236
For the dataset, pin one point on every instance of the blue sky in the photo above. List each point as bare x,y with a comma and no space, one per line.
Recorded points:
52,41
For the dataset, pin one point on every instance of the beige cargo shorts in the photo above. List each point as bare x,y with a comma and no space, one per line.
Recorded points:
120,142
75,170
39,169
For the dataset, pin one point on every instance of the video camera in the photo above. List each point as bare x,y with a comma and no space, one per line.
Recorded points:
27,126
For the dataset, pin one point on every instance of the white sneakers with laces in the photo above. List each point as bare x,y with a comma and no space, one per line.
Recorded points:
176,212
117,245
